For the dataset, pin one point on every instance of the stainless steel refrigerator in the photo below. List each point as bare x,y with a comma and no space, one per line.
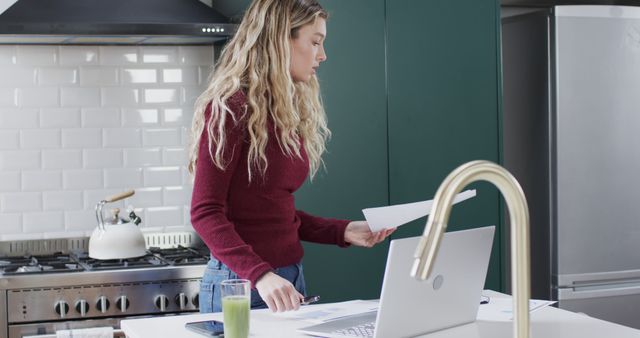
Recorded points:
571,136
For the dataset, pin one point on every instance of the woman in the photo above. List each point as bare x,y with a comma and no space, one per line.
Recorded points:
259,130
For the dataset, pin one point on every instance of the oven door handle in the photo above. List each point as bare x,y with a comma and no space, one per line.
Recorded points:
117,333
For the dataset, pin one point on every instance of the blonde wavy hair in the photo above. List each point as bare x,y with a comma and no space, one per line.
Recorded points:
256,60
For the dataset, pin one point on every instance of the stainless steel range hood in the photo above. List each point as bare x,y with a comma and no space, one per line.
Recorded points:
148,22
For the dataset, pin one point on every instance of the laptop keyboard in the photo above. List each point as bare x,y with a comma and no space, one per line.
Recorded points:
362,330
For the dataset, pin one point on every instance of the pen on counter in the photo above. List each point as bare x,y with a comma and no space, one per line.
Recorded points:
309,300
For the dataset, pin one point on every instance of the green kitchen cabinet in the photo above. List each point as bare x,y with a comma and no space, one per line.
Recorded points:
443,105
356,176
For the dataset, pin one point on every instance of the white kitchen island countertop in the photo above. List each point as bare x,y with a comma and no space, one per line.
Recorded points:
548,322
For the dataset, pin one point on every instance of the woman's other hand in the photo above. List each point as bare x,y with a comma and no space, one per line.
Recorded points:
278,293
358,233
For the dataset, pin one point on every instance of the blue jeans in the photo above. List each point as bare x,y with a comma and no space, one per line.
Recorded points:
216,272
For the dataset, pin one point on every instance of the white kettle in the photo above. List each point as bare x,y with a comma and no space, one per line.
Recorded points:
116,238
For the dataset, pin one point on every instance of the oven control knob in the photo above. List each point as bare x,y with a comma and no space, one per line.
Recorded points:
182,301
122,303
82,307
62,308
103,304
161,302
196,300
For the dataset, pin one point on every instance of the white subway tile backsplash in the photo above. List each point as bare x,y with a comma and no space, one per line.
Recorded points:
63,233
80,220
134,76
17,76
174,195
99,76
8,97
190,95
43,222
21,202
41,180
122,137
174,156
39,97
7,55
186,135
82,179
161,137
204,73
159,55
9,139
40,138
146,197
62,159
78,55
142,157
164,216
162,176
186,176
57,76
20,160
123,178
12,118
62,200
9,181
140,117
101,117
118,56
184,76
22,237
37,55
102,158
81,138
161,96
10,223
80,123
92,197
199,56
173,116
80,97
59,117
119,97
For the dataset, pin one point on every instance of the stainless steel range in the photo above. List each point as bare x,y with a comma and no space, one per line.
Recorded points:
50,285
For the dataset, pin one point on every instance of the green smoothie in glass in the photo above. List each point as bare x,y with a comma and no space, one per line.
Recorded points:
236,316
235,308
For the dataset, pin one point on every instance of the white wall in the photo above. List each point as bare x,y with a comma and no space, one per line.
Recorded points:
79,123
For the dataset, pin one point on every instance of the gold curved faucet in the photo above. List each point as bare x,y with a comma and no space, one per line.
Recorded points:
462,176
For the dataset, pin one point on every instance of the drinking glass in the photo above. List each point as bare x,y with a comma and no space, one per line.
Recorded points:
236,299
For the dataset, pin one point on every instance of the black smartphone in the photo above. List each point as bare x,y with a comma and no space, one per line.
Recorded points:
209,328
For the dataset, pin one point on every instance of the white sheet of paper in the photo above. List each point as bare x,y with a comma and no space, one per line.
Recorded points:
321,313
396,215
501,309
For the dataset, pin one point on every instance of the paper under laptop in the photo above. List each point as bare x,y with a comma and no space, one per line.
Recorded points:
396,215
408,307
321,313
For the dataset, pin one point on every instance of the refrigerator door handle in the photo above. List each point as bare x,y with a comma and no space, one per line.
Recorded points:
595,289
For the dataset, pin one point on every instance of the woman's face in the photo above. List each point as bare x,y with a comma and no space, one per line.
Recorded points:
307,50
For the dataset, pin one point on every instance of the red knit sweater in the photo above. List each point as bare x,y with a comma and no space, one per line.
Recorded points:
253,227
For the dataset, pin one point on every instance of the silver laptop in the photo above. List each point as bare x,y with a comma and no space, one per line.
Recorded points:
408,307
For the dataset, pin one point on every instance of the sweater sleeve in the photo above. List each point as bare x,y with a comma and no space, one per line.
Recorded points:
322,230
209,205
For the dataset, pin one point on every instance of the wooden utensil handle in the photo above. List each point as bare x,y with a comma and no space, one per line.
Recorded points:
120,196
